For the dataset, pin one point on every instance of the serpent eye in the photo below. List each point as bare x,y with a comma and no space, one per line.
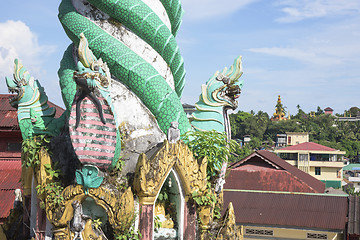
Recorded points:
226,80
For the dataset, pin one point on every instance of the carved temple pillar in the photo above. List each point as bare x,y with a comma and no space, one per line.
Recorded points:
176,162
40,222
26,216
146,221
27,184
190,220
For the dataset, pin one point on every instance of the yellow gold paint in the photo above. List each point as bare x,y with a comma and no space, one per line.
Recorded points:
151,173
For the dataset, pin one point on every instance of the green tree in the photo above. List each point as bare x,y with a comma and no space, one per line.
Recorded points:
323,129
352,148
276,127
300,114
236,121
213,145
354,111
319,111
240,152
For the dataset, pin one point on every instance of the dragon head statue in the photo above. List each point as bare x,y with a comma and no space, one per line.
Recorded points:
26,88
34,114
223,88
218,95
94,70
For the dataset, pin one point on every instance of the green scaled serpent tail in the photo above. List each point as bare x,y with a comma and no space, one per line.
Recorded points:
139,47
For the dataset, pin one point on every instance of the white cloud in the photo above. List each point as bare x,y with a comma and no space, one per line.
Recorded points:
312,63
297,10
330,45
284,52
17,41
304,56
205,9
324,71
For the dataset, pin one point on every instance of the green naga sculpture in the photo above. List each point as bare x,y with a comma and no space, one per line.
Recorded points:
139,75
217,96
112,59
34,114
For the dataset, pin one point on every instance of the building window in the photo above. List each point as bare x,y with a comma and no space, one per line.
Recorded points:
316,236
317,170
303,157
333,158
264,232
14,147
289,140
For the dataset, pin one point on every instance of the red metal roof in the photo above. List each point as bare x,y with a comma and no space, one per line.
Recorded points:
9,156
308,146
293,210
10,164
4,102
7,202
263,170
264,180
328,109
59,110
8,114
10,174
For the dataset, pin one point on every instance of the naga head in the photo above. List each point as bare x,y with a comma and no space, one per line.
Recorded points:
223,88
89,67
22,84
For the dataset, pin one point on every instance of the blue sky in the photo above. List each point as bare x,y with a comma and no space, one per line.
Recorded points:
307,51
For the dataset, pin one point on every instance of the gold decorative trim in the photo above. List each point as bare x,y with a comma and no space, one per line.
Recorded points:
151,173
229,229
116,207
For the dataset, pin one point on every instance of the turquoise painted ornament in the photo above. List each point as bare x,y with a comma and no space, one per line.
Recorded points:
34,114
88,177
217,96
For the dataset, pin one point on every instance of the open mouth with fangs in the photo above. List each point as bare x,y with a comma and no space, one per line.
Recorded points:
18,95
233,92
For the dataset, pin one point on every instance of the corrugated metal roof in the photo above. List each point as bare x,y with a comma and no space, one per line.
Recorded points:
9,156
277,162
8,114
10,164
10,174
276,180
308,146
351,166
294,210
4,102
7,202
354,215
10,179
59,110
